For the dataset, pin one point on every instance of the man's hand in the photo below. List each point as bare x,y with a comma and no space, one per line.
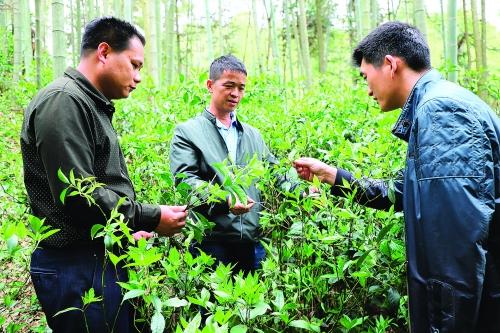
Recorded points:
172,220
239,208
308,167
142,234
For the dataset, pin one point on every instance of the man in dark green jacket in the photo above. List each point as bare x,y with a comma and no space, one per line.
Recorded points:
68,126
213,136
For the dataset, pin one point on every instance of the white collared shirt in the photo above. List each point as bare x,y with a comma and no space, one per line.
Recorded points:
230,136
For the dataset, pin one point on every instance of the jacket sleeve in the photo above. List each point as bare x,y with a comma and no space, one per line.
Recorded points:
185,159
369,192
69,145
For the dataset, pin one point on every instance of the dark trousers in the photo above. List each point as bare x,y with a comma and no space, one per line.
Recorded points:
246,256
62,276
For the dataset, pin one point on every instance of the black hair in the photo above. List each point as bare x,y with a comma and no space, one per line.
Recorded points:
117,33
226,63
396,39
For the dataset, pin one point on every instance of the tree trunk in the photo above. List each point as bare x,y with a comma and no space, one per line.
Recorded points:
44,14
208,30
222,48
158,28
90,10
105,8
154,71
419,17
296,35
117,9
358,20
466,35
288,45
352,23
320,35
188,51
27,38
477,36
58,37
18,42
374,11
305,42
127,10
38,44
78,26
366,17
178,39
443,31
269,37
74,57
257,39
3,27
274,41
452,41
483,41
170,48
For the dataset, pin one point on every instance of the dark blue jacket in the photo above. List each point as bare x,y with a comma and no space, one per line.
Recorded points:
450,195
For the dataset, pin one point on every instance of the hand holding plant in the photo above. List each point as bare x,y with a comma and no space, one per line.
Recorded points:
240,208
308,167
172,220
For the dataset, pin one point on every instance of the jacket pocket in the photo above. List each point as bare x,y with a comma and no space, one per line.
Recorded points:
441,306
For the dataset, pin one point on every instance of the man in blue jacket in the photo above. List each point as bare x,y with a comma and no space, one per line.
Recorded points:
450,191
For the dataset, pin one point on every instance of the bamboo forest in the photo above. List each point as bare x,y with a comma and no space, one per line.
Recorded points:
331,264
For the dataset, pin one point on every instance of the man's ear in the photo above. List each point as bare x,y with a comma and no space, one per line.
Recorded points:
393,62
209,85
103,49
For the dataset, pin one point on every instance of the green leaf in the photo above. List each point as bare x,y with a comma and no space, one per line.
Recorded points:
12,243
239,329
193,324
384,232
49,233
304,325
62,177
35,223
176,302
279,300
157,303
361,259
391,193
157,323
259,310
133,294
67,310
115,259
95,229
62,196
240,193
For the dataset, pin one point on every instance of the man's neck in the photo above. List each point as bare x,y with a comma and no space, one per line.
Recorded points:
409,81
84,68
223,117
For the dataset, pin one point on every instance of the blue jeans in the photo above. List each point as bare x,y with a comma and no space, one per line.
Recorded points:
246,256
62,276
